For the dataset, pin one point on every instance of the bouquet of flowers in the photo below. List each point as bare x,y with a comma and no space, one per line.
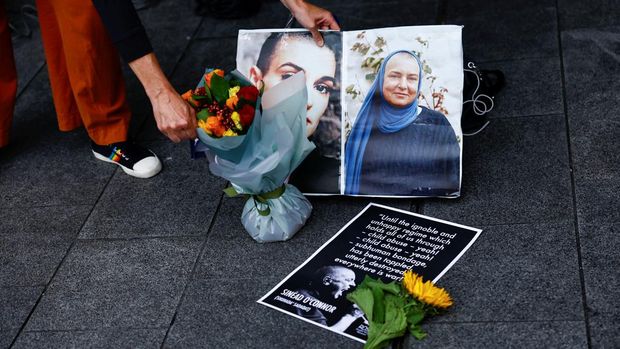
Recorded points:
255,141
394,309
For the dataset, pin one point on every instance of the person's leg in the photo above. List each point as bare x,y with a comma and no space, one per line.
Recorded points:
67,111
88,63
88,85
8,78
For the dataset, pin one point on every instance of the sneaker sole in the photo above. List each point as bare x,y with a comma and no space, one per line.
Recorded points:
129,171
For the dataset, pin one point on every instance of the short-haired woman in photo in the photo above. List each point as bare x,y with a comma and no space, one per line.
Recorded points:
397,147
283,55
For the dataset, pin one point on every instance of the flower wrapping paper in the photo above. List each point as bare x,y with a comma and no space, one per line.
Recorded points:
261,160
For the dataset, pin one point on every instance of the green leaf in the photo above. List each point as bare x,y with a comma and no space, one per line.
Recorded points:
427,69
219,88
371,76
377,64
415,316
208,95
230,192
367,62
203,114
362,296
395,326
391,287
378,308
380,42
363,49
417,332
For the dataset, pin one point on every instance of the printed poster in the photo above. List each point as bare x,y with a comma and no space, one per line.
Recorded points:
380,242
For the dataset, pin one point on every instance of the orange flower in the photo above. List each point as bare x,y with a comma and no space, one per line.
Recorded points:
188,97
213,126
231,102
208,76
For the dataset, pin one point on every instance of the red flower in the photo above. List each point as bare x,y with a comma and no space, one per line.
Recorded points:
246,115
249,93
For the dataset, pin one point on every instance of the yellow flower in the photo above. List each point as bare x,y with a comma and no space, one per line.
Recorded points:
203,125
233,91
425,291
229,133
237,120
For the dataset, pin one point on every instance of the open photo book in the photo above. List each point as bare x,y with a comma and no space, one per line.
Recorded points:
384,106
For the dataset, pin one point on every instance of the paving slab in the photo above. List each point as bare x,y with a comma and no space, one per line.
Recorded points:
512,37
594,13
224,314
525,272
543,334
179,201
43,166
600,62
533,87
131,284
605,330
599,250
594,117
6,338
33,242
170,26
15,305
103,339
231,251
379,14
515,171
351,16
495,9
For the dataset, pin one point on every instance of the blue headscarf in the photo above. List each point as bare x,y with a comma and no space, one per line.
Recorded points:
390,119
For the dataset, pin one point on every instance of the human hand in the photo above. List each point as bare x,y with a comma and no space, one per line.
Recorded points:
312,18
174,117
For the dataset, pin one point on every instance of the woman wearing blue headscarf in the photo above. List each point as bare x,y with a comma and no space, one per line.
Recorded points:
397,147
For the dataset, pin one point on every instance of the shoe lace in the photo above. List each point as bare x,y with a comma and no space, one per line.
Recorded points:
478,101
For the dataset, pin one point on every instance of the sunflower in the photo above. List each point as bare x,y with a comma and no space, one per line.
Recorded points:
425,291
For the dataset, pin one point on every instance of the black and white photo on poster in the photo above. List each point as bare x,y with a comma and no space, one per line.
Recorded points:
381,242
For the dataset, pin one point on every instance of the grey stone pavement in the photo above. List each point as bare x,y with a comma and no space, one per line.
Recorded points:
90,257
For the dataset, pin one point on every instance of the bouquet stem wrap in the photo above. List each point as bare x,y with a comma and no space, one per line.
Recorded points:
258,163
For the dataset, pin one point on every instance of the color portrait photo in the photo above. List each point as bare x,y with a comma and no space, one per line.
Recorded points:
268,57
402,109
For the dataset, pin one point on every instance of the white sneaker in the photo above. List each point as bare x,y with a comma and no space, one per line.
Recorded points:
133,159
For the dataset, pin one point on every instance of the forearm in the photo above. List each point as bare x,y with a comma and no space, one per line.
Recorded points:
293,5
150,74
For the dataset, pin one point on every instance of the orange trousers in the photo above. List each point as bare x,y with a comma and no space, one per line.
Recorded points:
84,71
